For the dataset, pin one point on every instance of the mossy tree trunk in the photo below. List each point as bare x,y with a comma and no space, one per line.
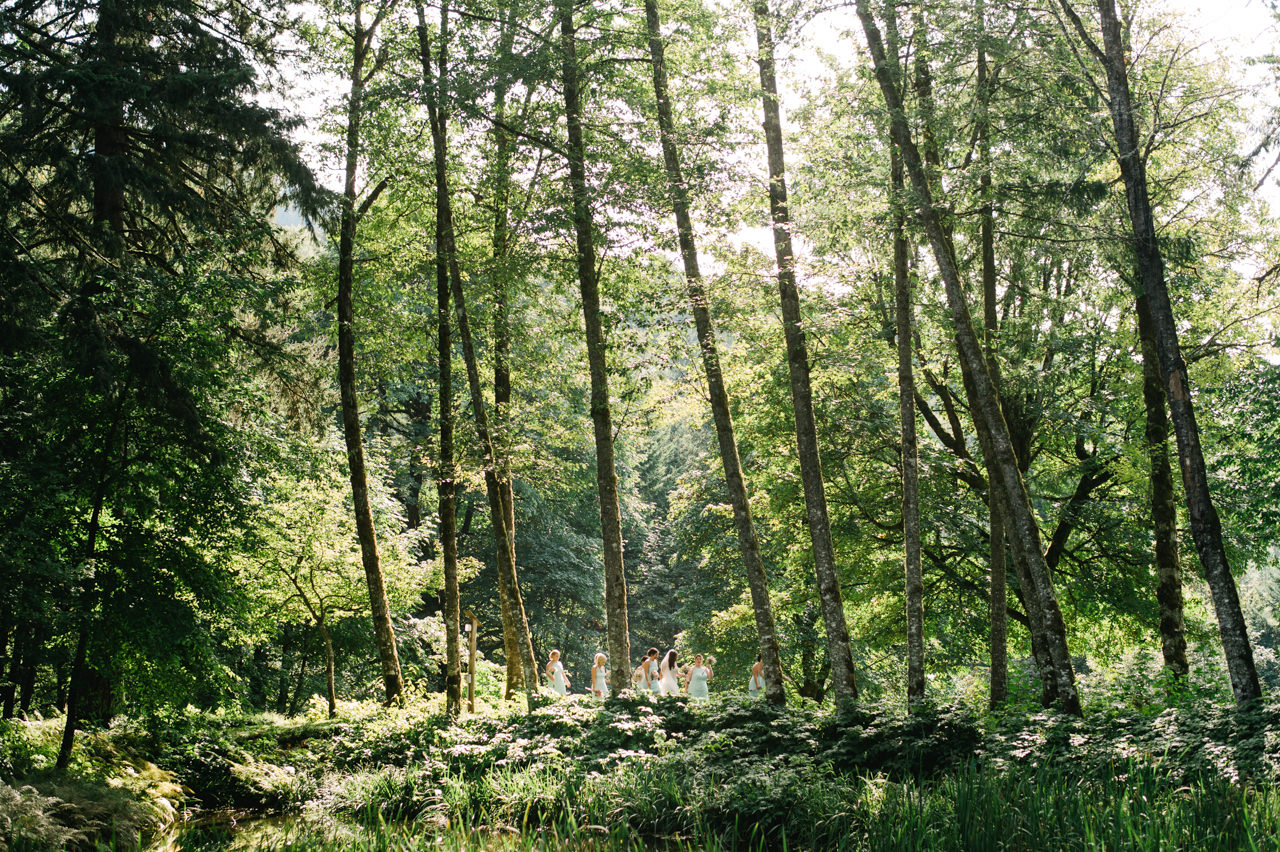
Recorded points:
615,580
844,682
748,543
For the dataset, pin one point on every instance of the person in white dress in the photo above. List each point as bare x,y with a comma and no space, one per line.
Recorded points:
695,682
756,685
651,671
600,678
557,675
667,683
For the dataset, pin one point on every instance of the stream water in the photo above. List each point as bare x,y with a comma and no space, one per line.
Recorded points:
227,833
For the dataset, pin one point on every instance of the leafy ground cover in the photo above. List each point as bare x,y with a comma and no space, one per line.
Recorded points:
730,773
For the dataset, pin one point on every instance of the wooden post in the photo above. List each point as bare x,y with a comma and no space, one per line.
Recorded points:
472,627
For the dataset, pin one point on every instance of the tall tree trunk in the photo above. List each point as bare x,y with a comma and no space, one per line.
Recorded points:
501,241
80,674
748,543
446,471
844,682
1164,511
1024,532
286,664
330,690
32,660
110,146
909,450
74,693
299,683
615,579
448,254
999,640
9,664
1206,527
384,633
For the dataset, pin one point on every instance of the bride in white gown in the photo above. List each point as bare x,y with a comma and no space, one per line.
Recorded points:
667,683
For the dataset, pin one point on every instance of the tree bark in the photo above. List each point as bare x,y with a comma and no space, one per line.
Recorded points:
844,682
74,691
501,243
384,633
446,472
330,690
447,264
9,665
286,663
748,543
1164,511
999,640
615,580
31,662
1024,533
1206,527
295,703
909,451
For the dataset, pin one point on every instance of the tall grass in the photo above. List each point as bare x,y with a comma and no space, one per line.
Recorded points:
1043,810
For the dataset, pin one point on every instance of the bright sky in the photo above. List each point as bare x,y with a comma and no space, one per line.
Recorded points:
1249,24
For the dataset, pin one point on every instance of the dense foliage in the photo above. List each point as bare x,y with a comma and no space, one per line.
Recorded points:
210,364
737,773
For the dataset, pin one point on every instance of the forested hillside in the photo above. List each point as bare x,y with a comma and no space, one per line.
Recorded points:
924,352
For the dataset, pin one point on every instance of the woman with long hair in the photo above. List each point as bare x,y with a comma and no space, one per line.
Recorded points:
650,671
667,683
556,674
756,685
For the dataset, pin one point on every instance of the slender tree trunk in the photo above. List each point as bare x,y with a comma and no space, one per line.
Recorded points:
110,147
748,543
909,451
501,239
330,691
1024,533
844,682
286,664
295,704
79,668
9,664
999,641
74,691
32,659
1206,527
62,687
1164,511
615,579
448,257
384,633
446,472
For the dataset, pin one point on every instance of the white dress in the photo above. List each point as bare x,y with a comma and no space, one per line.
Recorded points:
667,684
756,685
600,685
698,676
557,678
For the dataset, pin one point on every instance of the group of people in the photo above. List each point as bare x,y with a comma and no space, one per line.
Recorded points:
652,675
663,676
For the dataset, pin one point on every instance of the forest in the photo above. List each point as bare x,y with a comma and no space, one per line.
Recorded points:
370,370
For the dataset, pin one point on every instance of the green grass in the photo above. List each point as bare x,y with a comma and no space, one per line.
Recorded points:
638,773
1045,809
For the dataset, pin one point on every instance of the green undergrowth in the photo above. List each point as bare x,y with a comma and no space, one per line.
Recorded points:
727,773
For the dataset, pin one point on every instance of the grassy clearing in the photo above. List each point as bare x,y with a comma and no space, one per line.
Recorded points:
635,772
